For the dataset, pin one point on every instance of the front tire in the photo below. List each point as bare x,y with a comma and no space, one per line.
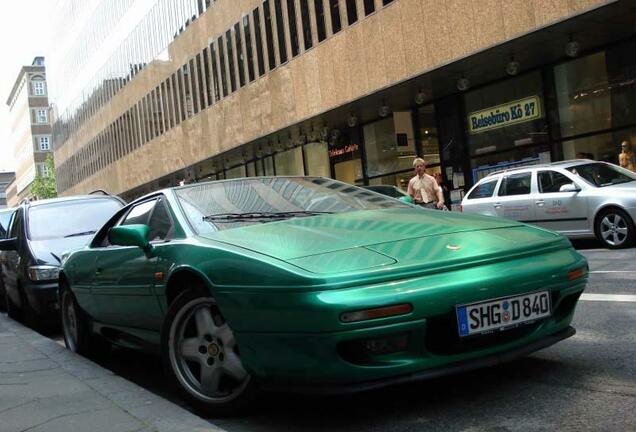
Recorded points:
200,354
75,324
12,308
615,229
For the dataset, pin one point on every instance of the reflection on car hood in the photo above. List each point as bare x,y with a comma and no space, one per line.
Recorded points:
45,251
301,237
622,187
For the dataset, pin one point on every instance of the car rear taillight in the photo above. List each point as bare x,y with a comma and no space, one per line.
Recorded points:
577,273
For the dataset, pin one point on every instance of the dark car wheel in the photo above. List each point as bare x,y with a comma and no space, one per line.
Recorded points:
75,324
614,228
200,353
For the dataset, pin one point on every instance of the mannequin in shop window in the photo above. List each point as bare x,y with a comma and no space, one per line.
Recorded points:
627,159
424,189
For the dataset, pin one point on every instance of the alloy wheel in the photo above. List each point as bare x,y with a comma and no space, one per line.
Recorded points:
614,229
204,355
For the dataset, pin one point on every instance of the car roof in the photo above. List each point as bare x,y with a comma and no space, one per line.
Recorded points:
560,164
72,198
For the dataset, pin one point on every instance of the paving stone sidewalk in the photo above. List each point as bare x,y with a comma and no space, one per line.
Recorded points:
46,388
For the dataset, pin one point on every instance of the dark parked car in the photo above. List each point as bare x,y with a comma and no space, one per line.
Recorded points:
40,232
5,218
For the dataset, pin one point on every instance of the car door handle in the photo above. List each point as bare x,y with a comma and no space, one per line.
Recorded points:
540,203
497,205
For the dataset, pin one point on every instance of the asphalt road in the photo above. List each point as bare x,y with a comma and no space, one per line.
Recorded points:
585,383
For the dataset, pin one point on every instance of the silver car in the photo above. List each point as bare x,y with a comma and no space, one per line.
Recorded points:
577,198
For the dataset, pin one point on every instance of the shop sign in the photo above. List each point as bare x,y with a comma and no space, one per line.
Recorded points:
351,148
515,112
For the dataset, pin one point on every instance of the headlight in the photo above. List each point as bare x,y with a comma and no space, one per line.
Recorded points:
43,273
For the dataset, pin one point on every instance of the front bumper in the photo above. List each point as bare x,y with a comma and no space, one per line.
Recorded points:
300,338
436,372
43,299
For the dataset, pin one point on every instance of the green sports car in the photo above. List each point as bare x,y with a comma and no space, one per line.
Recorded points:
309,284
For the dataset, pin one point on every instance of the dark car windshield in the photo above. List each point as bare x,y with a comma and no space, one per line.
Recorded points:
5,217
70,218
233,203
601,174
391,191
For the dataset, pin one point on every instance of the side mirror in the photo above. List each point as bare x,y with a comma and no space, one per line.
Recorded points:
570,187
406,199
130,235
9,244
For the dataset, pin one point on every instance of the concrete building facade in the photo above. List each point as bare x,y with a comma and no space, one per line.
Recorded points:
350,89
31,138
6,178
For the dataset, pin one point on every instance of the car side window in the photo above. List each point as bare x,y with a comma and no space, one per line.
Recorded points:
515,184
483,190
139,214
160,223
551,181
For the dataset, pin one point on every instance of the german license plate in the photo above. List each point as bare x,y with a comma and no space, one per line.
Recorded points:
502,313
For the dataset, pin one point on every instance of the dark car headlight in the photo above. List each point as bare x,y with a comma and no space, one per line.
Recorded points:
44,273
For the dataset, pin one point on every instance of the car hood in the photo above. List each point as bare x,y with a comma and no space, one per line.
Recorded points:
374,238
621,187
51,251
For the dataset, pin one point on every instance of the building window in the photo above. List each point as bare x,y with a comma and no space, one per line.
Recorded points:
280,28
38,88
230,59
293,30
320,20
269,35
44,143
369,7
215,70
41,116
304,14
259,42
240,57
352,11
336,23
248,47
390,144
386,2
44,170
222,65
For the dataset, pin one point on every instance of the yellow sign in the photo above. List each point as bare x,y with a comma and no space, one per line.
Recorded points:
519,111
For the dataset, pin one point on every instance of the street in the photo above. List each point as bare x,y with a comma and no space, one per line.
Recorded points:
587,382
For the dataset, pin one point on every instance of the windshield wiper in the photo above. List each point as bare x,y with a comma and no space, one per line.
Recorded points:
80,234
262,215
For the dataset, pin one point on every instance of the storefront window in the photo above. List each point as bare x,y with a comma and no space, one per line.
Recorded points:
488,164
317,159
583,95
251,169
345,156
506,116
603,147
268,162
236,172
389,144
290,162
428,134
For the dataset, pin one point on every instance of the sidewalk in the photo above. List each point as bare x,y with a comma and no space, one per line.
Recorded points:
46,388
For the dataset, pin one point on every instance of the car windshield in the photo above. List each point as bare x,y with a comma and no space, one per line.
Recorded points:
5,217
234,203
391,191
602,174
70,218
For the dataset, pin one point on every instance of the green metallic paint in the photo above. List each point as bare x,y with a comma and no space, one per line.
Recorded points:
130,235
282,286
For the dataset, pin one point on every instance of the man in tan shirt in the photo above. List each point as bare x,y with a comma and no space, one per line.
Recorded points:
424,189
